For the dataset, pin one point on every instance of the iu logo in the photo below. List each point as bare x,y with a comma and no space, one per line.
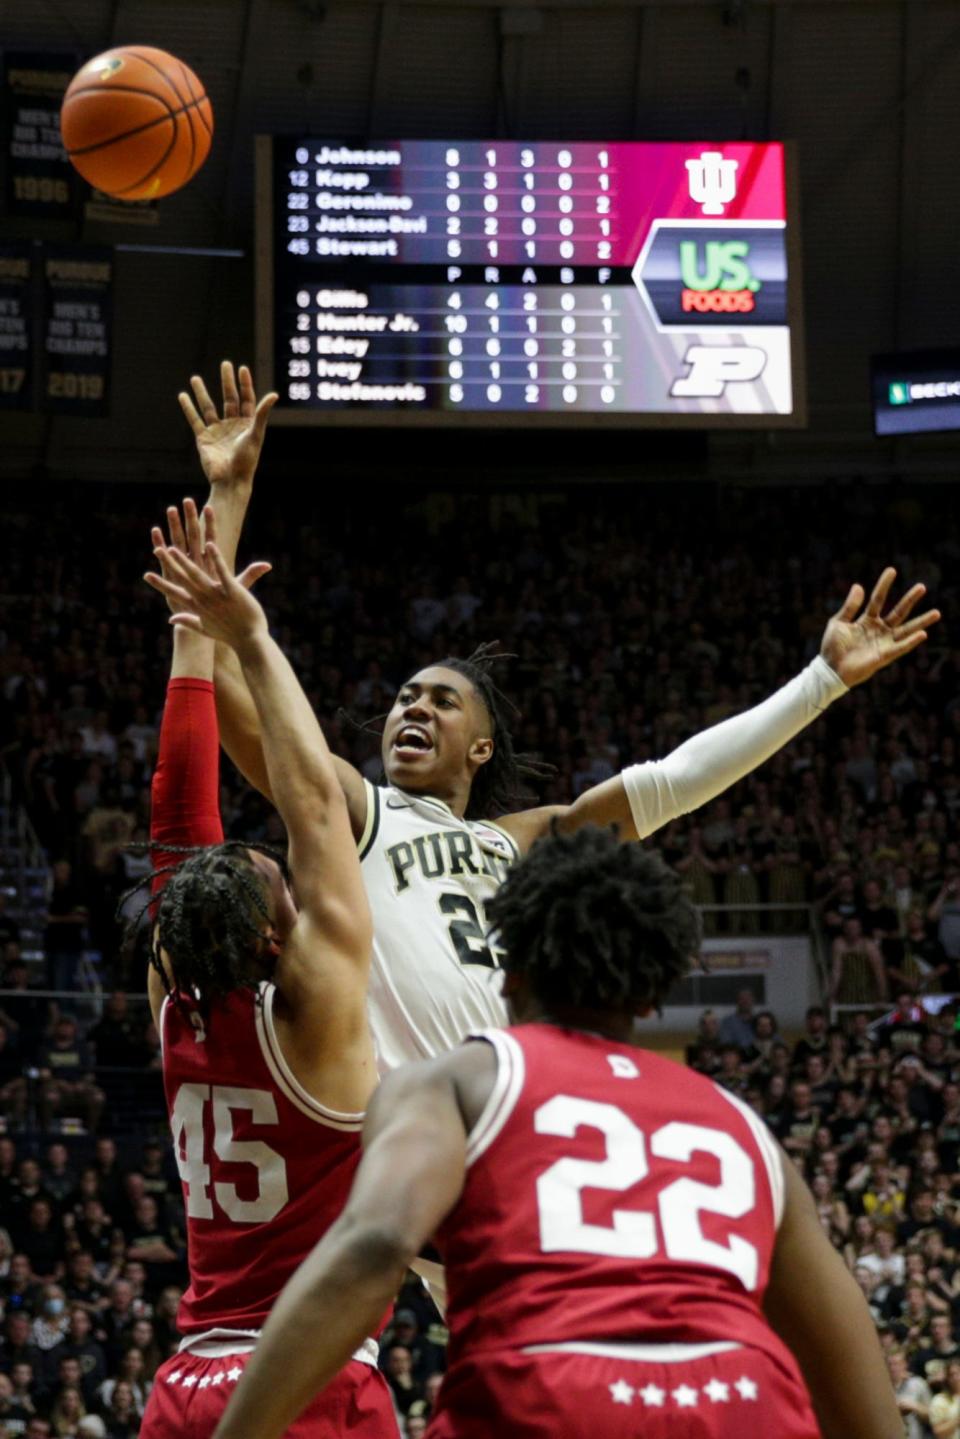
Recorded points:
713,181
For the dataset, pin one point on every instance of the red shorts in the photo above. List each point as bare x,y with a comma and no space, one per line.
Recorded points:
190,1393
737,1394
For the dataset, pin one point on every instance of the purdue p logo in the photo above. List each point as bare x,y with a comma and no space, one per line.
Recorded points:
713,181
714,367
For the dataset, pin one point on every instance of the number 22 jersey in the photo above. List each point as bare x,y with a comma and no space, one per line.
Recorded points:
611,1196
434,977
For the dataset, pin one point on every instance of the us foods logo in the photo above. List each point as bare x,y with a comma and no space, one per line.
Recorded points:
719,276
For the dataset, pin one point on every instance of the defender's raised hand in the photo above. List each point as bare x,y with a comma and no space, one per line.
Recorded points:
186,536
856,646
229,445
203,594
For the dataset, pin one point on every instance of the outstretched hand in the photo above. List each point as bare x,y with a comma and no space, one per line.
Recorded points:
229,445
199,588
186,536
856,645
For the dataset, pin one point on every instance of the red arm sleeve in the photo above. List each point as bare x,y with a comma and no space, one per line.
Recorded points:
185,794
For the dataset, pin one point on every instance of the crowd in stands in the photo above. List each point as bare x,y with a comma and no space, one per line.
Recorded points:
634,622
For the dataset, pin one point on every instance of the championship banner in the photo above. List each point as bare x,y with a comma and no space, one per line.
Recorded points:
39,179
17,314
77,304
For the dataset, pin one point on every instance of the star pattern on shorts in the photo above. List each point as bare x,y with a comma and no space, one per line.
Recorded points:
172,1378
717,1392
621,1392
190,1380
745,1387
652,1395
205,1382
234,1373
218,1378
685,1396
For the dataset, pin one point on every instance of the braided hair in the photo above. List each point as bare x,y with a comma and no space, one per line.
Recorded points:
212,919
501,784
595,924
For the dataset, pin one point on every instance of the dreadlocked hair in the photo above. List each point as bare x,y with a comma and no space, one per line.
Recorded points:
595,924
502,783
212,919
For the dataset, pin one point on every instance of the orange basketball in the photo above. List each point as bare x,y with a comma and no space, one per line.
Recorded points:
136,122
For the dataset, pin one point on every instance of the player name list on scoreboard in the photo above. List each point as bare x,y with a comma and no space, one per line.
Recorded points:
500,276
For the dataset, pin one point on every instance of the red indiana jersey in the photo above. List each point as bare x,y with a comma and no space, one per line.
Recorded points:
265,1169
610,1196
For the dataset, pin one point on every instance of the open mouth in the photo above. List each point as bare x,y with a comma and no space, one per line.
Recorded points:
412,741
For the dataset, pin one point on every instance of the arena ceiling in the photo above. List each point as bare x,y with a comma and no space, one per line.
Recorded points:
866,88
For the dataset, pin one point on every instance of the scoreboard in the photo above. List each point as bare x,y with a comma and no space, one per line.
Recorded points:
509,282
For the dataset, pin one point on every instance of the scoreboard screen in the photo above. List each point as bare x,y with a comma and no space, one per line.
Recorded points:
916,392
509,282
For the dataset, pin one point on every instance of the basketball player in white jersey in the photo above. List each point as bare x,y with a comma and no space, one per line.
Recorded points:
432,854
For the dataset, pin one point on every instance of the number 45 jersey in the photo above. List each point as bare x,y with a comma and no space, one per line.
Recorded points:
435,978
265,1169
611,1197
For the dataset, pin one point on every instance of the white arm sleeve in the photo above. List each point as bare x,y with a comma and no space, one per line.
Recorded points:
704,766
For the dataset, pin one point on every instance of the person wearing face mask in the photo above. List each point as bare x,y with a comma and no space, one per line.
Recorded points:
50,1326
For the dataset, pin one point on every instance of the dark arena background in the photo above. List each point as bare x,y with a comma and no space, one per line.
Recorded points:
623,335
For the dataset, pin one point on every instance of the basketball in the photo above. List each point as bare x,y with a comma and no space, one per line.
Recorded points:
136,122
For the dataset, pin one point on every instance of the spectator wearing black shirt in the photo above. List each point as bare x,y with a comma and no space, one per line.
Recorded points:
42,1239
13,1085
17,1346
64,938
94,1230
879,921
814,1037
25,1009
80,1283
58,1177
80,1344
800,1122
115,1038
13,1413
66,1074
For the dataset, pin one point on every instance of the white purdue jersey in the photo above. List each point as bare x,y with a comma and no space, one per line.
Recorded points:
428,875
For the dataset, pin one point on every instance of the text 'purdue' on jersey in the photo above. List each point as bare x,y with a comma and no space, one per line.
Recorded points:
428,874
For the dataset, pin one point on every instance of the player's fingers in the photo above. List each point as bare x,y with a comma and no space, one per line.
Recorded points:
848,610
177,536
156,538
263,412
186,573
254,572
210,523
881,589
192,523
903,647
187,621
217,563
921,622
190,413
904,605
167,587
208,409
248,395
231,395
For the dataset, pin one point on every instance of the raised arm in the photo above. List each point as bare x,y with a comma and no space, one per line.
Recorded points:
323,971
645,797
814,1304
229,450
409,1180
185,790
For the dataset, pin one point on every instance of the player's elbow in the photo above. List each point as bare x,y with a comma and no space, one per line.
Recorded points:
379,1246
